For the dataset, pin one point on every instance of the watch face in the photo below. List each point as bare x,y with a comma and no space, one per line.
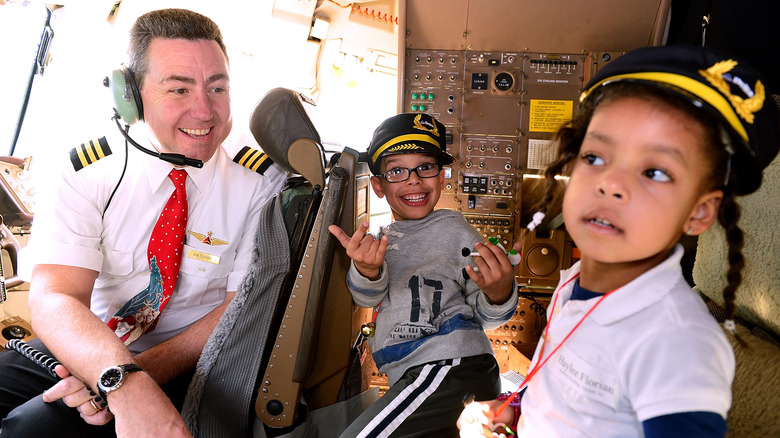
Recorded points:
110,377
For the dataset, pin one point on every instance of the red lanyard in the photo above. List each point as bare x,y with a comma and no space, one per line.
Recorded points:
540,363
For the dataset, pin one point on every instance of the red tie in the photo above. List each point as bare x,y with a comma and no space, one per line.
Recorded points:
140,314
168,234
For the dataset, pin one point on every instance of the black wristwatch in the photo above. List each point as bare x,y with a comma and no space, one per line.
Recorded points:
112,378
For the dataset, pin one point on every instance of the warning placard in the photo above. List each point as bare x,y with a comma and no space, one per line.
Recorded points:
548,115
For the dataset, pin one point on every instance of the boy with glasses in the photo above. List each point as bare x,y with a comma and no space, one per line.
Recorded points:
432,304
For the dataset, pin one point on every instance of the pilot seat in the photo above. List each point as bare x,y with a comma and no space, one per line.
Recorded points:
280,361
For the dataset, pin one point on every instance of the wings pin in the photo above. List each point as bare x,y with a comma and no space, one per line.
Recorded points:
207,239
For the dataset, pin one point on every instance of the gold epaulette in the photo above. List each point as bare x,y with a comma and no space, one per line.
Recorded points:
87,153
253,159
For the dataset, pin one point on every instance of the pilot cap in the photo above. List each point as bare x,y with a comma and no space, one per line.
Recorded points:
729,88
408,133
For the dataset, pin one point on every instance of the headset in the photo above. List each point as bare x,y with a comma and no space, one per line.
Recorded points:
129,107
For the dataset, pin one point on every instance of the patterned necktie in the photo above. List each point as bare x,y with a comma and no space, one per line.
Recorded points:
139,315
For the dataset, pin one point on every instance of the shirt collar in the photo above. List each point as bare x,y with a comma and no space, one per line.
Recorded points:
157,172
643,291
580,293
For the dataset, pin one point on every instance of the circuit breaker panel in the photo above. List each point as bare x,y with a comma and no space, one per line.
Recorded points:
501,109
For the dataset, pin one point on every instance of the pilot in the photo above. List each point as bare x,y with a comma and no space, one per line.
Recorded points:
134,259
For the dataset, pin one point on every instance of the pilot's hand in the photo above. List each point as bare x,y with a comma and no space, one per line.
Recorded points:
142,410
496,273
366,252
74,393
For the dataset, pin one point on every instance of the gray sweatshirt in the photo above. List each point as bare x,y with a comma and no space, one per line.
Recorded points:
429,311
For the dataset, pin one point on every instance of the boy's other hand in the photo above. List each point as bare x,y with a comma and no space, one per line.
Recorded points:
477,421
366,252
496,274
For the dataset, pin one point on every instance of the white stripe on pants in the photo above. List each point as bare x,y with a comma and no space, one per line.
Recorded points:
418,391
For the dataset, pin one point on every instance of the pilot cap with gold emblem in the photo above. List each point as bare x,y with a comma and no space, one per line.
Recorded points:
408,133
719,83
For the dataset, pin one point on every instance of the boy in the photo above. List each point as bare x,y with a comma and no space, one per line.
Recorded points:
432,312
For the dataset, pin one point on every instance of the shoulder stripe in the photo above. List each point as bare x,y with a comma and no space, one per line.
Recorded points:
253,160
87,153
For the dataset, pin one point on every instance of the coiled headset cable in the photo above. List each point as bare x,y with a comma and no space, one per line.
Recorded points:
43,360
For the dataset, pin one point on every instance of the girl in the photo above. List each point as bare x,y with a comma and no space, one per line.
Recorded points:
664,140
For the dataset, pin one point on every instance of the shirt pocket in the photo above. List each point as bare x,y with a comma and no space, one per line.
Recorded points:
117,265
204,274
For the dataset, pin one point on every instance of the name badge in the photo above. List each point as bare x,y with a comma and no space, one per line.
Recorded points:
202,256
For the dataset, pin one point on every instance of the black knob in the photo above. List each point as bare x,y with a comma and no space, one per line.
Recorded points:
15,332
274,407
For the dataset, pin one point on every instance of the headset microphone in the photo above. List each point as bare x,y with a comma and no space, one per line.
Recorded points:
177,159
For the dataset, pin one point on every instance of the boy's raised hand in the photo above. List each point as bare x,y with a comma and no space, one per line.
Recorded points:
496,274
366,252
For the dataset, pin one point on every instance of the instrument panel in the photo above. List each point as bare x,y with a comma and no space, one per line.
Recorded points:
501,110
17,193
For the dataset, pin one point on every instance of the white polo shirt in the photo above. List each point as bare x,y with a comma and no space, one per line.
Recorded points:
223,198
651,348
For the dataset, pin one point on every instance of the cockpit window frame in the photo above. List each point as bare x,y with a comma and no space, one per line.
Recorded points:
35,66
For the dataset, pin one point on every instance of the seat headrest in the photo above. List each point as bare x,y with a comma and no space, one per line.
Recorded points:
284,131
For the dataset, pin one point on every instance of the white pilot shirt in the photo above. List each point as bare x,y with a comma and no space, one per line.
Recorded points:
223,198
649,349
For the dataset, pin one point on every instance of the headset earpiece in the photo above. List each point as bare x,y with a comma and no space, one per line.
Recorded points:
127,96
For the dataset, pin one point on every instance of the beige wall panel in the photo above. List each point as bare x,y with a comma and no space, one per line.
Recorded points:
563,26
436,24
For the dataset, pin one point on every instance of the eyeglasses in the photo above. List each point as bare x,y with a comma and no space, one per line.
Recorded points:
401,174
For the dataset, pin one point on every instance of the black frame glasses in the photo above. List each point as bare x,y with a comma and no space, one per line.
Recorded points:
425,168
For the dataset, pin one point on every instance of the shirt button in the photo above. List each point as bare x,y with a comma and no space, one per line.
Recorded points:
202,269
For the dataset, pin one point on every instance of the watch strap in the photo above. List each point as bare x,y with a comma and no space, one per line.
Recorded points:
130,367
